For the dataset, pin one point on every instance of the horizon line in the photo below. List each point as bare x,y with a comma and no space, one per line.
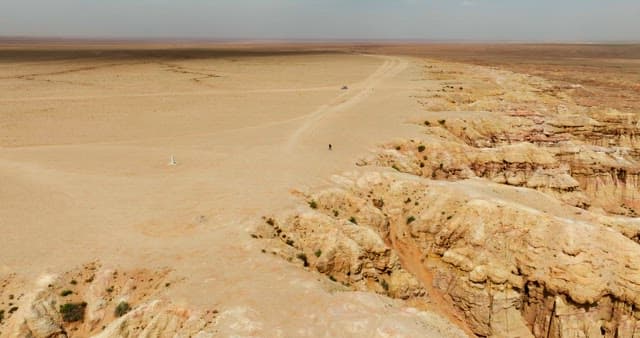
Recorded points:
177,40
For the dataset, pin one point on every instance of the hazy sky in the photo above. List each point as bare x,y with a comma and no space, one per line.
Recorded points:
557,20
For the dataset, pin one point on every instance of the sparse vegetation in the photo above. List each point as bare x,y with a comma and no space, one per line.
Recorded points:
270,221
421,148
289,242
427,123
442,122
301,256
72,312
65,293
384,285
353,220
410,219
318,253
332,278
313,204
378,203
395,167
1,315
336,213
122,309
110,289
73,282
13,309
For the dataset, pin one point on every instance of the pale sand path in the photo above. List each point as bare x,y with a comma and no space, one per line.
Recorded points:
120,202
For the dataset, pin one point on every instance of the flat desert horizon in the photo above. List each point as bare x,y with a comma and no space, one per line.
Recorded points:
319,189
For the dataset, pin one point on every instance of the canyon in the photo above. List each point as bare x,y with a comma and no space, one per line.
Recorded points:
461,196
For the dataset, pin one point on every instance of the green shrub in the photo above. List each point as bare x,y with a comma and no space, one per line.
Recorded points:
410,219
421,148
353,220
65,293
313,205
442,122
270,221
72,312
1,315
427,123
395,167
289,242
318,253
122,309
73,282
384,285
13,309
336,213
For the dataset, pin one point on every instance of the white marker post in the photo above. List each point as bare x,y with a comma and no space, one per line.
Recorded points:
173,161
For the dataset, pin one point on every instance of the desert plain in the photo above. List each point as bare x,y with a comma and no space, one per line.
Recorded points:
188,190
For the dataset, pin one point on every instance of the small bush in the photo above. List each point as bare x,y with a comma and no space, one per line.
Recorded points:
384,285
289,242
270,221
1,316
353,220
13,309
398,147
395,167
301,256
410,219
332,278
110,289
122,309
427,123
65,293
313,205
318,253
72,312
73,282
421,148
378,203
336,213
442,122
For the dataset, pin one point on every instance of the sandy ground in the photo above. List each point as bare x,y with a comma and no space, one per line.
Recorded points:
85,146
